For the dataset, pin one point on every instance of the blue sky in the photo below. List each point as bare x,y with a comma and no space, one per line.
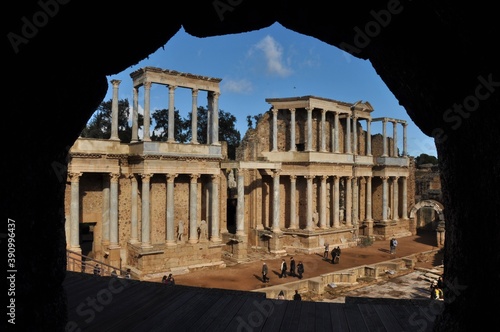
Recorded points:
271,63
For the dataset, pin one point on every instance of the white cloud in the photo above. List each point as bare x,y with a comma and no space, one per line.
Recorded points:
273,53
238,86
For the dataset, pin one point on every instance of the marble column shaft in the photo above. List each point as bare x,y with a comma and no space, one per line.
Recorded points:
240,209
193,208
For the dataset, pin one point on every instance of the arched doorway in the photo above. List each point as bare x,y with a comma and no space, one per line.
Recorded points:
429,217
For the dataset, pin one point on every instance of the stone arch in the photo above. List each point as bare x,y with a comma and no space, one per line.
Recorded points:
438,207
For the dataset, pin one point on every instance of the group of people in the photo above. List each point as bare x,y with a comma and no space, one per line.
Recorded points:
437,289
296,296
284,271
336,255
295,270
169,281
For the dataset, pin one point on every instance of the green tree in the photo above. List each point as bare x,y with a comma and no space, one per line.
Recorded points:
99,125
160,133
227,129
425,159
251,119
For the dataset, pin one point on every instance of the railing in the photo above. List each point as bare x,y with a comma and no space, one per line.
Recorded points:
80,263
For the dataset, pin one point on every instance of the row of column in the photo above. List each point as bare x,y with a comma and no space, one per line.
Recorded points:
351,201
212,116
349,147
110,210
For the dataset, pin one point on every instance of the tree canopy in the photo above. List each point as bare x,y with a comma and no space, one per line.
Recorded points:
425,159
99,125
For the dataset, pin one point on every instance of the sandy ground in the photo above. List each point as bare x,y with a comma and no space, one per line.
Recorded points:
247,275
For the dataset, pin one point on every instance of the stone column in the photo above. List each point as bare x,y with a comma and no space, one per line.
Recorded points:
113,211
405,143
355,201
395,138
336,134
354,134
309,225
323,136
146,230
404,204
395,190
171,113
215,209
348,134
215,119
194,116
385,198
292,130
193,209
293,202
309,128
170,230
75,212
368,138
369,198
210,110
384,135
322,212
275,130
147,116
336,202
134,238
240,209
276,201
135,116
114,111
348,201
105,211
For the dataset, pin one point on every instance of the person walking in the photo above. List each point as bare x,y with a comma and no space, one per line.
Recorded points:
327,250
283,268
296,296
292,267
395,245
300,269
391,246
264,273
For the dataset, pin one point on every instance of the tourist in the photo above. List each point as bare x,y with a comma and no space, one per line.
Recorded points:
300,269
292,267
327,251
170,280
164,280
264,272
283,269
281,295
127,274
296,296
